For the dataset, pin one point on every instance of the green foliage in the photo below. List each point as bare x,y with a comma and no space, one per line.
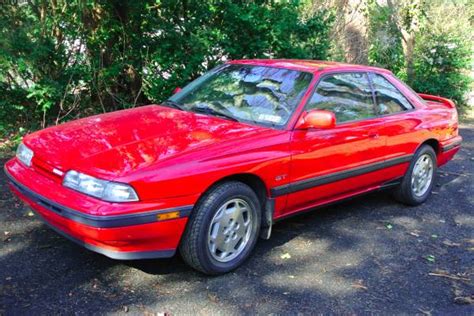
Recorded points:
426,43
64,59
440,64
198,37
385,43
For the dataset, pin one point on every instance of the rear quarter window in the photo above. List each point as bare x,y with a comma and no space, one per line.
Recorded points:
388,98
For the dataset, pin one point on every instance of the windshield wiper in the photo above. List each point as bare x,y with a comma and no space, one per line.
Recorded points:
173,104
211,111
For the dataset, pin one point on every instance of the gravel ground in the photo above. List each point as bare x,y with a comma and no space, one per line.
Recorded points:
367,255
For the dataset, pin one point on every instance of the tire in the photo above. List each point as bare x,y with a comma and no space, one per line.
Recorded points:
410,192
213,225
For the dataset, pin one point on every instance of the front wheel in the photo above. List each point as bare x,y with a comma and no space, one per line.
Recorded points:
223,229
418,181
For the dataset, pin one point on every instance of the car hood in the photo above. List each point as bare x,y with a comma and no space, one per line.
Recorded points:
117,143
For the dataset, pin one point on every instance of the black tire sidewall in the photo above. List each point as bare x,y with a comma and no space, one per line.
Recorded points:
210,206
415,199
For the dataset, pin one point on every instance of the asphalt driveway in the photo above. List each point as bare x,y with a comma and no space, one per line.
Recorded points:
367,255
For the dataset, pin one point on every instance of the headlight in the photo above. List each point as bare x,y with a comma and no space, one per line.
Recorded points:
104,190
24,154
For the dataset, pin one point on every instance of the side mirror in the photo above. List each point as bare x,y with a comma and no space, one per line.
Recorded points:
176,90
321,119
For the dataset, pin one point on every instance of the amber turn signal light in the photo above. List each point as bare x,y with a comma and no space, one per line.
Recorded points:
165,216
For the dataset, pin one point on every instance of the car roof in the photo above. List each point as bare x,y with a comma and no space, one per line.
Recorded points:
307,65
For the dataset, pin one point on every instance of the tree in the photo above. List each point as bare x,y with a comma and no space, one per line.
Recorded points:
64,59
407,16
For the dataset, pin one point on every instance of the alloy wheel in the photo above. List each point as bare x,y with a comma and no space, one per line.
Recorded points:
230,230
422,175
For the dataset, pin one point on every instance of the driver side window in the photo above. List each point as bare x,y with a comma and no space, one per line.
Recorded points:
348,95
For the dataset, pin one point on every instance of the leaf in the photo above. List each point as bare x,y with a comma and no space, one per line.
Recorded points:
434,236
359,286
464,300
285,256
389,226
431,258
213,297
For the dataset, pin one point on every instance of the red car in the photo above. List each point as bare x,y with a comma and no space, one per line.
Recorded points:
247,144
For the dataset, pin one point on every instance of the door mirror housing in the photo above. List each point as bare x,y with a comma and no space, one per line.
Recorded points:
320,119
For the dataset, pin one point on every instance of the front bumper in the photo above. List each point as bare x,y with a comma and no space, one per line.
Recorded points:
137,235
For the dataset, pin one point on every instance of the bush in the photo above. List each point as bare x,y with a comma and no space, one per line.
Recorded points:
64,59
190,42
441,62
385,43
442,50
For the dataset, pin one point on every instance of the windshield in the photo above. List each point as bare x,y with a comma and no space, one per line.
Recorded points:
262,95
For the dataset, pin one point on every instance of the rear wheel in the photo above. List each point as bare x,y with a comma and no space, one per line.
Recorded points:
223,229
418,181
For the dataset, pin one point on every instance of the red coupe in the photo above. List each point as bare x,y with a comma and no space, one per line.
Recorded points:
247,144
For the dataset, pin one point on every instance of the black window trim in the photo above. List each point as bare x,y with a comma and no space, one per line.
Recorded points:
344,72
369,75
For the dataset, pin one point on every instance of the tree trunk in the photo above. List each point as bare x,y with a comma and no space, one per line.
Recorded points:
406,16
408,50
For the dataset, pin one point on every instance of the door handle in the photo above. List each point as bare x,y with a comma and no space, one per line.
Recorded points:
373,135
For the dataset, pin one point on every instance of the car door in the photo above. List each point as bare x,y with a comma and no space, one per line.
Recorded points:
332,163
400,129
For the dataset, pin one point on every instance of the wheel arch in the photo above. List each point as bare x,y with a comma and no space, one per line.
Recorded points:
253,181
434,143
258,185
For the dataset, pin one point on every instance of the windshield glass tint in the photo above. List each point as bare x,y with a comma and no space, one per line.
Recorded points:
263,95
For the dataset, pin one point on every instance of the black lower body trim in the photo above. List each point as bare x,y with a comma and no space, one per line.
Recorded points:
385,186
118,255
94,220
321,180
392,183
451,146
